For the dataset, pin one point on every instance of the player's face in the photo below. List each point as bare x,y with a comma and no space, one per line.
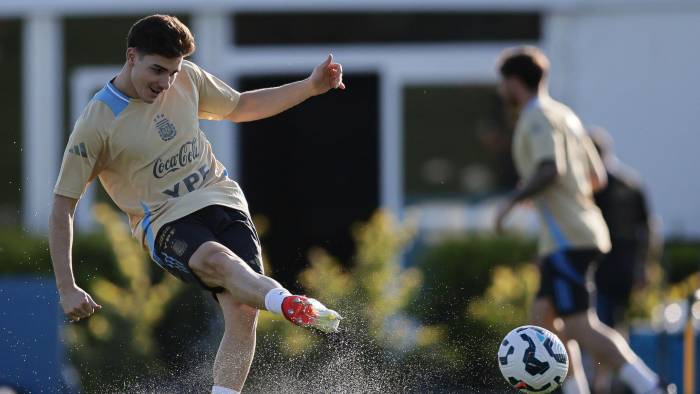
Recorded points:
152,75
507,89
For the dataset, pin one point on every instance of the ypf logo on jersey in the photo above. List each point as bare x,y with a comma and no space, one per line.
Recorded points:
166,129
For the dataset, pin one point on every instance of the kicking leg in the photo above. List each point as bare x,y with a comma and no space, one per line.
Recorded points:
218,266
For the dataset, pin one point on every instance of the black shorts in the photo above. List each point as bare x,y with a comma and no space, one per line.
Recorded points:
177,241
564,279
614,280
617,271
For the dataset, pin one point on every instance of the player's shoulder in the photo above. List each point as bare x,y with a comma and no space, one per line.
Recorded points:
100,112
552,104
191,69
107,104
552,109
560,116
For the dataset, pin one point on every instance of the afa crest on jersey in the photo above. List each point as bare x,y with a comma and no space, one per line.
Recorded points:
166,129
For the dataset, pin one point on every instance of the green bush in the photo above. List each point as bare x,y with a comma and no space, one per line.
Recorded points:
458,269
682,259
25,253
479,286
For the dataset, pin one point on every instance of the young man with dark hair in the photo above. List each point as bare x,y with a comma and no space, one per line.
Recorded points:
560,169
140,136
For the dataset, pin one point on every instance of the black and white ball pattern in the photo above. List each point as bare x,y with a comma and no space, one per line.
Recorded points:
533,360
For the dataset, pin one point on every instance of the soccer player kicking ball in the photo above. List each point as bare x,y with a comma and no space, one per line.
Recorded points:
560,169
140,136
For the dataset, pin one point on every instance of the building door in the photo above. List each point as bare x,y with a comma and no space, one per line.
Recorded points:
312,172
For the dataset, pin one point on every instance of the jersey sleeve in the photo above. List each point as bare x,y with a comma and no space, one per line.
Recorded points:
546,143
80,159
216,98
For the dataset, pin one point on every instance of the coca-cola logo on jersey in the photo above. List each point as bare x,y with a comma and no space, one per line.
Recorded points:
188,153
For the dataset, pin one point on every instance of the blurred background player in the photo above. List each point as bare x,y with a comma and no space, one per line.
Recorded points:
559,169
623,203
140,135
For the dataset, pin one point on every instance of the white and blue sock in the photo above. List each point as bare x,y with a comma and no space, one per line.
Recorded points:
274,298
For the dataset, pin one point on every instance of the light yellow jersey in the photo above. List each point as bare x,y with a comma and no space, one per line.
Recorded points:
152,159
548,130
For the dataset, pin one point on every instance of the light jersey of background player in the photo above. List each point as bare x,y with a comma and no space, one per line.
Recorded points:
570,218
152,159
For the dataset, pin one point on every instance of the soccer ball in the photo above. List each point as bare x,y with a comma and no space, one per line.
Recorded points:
533,360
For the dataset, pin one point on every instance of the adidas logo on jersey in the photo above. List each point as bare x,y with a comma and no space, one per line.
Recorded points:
79,150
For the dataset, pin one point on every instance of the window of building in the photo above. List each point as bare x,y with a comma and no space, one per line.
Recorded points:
456,144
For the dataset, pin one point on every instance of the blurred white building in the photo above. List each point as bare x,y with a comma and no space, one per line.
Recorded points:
626,65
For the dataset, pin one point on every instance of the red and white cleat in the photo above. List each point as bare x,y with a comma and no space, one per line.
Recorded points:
308,312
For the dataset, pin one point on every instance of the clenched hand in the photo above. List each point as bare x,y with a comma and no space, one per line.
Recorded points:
326,76
77,304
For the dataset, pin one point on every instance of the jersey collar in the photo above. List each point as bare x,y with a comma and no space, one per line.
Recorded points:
116,92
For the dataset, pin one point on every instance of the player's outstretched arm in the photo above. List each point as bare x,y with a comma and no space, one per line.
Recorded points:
263,103
76,303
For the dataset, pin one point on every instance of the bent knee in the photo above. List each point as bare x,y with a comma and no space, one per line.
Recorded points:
211,258
214,264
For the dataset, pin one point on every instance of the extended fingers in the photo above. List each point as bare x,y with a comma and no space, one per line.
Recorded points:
335,67
336,76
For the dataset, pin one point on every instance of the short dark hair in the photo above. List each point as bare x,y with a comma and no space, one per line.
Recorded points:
162,35
527,63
